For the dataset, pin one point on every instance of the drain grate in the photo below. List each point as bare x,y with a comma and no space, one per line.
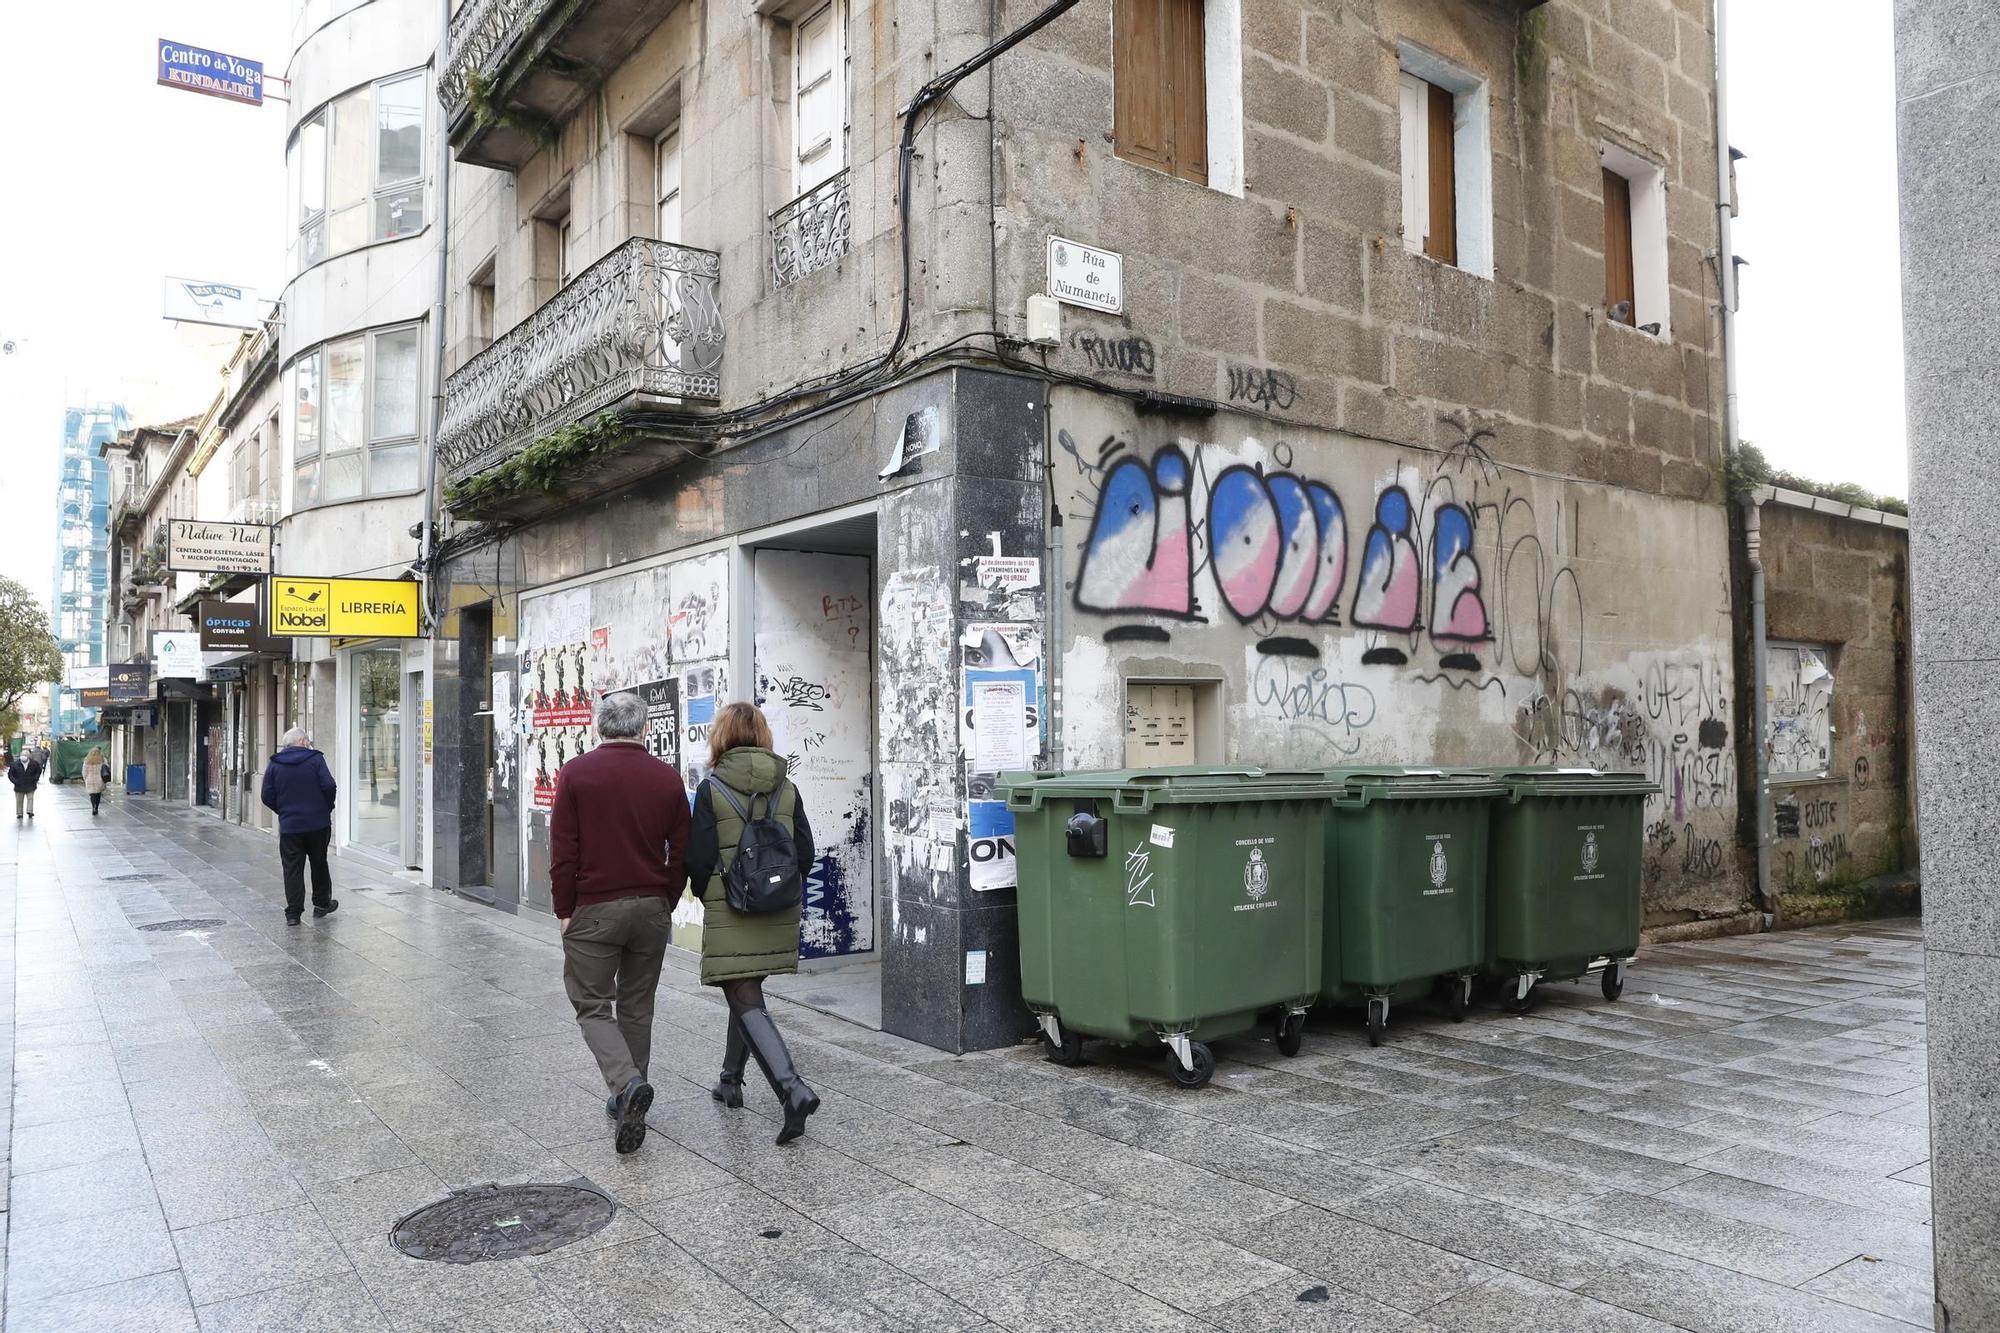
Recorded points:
135,875
502,1222
186,923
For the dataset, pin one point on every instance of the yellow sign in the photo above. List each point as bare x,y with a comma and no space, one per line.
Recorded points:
357,608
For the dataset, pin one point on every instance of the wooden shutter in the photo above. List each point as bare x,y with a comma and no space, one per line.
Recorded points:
1441,241
1187,70
1415,141
1160,85
1618,284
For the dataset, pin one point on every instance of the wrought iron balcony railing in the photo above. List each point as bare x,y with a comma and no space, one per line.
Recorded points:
482,32
644,321
812,231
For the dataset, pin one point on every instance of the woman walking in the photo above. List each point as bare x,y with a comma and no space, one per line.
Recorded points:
746,783
96,776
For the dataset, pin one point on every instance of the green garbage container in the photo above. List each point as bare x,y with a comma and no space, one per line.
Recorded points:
1181,905
1564,876
1406,889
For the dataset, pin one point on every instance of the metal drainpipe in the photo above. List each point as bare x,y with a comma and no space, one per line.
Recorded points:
425,544
1753,546
1052,650
1725,268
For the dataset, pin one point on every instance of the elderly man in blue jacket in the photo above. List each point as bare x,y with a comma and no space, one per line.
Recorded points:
300,787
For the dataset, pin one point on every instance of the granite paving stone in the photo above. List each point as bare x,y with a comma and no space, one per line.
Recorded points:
339,1303
155,1304
223,1126
1880,1285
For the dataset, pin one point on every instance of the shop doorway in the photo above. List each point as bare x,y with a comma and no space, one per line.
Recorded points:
813,673
376,807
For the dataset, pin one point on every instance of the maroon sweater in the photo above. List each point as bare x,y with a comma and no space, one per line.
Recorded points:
620,828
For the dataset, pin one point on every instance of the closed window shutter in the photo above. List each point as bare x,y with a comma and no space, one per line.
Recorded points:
1618,283
1441,242
1160,85
1187,69
1141,125
1416,179
817,99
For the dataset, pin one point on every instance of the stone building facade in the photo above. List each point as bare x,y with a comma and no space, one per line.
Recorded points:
1401,444
1838,739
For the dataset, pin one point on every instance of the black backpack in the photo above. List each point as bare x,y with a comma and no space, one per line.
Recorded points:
765,876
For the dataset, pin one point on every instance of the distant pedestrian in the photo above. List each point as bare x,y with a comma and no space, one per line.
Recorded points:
618,841
26,774
96,776
746,791
300,787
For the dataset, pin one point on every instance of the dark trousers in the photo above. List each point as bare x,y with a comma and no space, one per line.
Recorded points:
295,849
95,797
612,953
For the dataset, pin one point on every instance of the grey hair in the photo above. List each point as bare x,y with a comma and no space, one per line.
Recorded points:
294,736
620,717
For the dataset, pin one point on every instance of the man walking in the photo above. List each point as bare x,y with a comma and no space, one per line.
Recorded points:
25,772
300,787
617,846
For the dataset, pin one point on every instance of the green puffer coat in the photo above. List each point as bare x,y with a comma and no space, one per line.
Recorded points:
734,946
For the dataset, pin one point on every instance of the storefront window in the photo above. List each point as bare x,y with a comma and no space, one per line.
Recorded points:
376,810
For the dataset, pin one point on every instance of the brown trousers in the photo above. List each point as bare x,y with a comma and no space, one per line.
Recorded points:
612,953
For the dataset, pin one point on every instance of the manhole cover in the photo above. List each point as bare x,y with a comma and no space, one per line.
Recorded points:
186,923
502,1222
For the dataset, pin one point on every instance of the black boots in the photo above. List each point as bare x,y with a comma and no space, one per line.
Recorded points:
775,1060
729,1088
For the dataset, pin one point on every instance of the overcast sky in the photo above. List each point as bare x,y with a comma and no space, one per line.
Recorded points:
119,182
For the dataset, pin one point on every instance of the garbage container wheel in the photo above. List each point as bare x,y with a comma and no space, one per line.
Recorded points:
1291,1033
1203,1071
1613,984
1454,997
1516,1003
1378,1020
1068,1053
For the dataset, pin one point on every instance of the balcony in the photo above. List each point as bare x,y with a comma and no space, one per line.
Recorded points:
515,70
640,328
812,231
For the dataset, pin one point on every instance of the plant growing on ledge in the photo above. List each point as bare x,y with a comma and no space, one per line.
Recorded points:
545,466
1749,469
487,112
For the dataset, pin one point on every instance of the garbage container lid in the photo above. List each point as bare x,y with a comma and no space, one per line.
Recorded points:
1359,786
1142,788
1543,780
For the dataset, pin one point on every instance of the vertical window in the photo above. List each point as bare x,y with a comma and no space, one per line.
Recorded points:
311,156
667,184
305,432
565,251
819,98
480,292
399,157
1635,242
1160,85
392,417
1446,163
1430,188
1618,248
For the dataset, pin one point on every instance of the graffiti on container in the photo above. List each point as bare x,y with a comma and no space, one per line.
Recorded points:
1138,878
